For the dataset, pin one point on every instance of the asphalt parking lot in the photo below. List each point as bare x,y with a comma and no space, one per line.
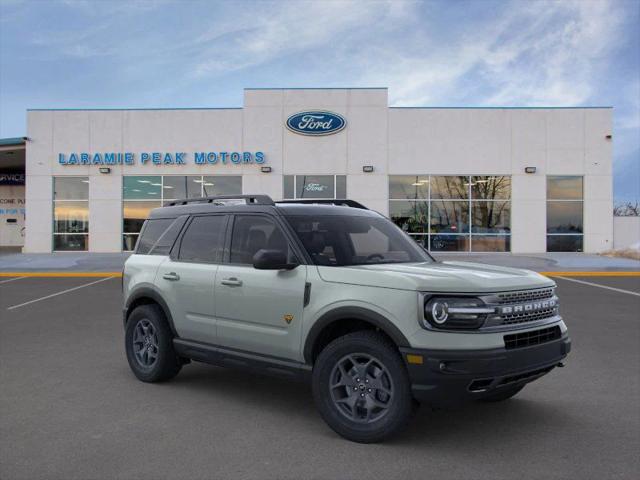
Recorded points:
70,408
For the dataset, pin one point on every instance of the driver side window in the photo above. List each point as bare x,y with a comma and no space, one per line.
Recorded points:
252,233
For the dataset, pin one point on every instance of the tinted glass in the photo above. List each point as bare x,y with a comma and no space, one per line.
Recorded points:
71,217
253,233
490,187
152,231
564,188
203,240
129,241
134,215
564,217
288,186
491,243
222,185
449,243
71,188
491,217
409,186
449,217
141,187
168,238
450,187
412,217
315,186
70,242
564,243
342,240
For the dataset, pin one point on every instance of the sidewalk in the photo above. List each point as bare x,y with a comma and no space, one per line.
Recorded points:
113,262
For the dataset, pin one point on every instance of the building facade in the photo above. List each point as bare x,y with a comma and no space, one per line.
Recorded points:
524,180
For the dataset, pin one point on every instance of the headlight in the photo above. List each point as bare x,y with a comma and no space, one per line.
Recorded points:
455,312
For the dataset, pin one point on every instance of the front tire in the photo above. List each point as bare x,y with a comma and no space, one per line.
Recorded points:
149,345
361,387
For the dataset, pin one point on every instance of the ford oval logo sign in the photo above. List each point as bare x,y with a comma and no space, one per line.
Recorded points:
316,123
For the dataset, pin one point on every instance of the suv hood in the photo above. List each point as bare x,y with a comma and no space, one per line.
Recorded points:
461,277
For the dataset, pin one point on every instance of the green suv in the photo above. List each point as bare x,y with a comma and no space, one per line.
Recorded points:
335,294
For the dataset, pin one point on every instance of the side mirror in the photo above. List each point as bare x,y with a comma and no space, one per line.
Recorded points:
272,260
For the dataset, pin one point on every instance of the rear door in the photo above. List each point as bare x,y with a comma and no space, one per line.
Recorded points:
259,311
187,278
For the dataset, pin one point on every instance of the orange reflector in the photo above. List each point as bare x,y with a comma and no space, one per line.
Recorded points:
414,359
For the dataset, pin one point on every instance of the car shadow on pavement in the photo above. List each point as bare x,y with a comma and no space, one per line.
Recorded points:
466,425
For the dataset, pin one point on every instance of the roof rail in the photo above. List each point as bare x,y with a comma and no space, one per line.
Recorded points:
249,200
343,202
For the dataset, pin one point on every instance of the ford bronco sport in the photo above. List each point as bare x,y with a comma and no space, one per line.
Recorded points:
334,293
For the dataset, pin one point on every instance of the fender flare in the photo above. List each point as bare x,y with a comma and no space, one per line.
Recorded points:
148,292
351,313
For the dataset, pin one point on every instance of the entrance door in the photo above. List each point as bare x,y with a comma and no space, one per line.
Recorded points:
259,310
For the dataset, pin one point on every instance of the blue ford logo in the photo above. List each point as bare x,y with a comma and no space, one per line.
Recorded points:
316,123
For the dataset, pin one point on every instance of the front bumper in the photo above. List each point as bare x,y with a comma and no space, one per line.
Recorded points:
448,377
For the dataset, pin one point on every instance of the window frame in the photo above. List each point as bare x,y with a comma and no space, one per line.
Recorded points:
550,200
162,199
55,201
425,238
174,253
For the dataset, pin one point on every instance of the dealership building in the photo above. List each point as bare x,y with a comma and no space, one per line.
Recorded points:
525,180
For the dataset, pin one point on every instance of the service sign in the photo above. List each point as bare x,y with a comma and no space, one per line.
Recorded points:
316,123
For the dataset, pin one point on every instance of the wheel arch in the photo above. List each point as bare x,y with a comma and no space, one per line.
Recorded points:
147,296
346,317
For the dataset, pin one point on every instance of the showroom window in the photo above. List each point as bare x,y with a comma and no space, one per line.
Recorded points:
453,213
315,186
70,213
142,193
564,214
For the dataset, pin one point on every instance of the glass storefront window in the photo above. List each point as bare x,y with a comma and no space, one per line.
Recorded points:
70,213
457,212
564,188
491,217
144,187
449,217
409,186
564,213
450,187
143,193
315,186
412,217
491,187
564,217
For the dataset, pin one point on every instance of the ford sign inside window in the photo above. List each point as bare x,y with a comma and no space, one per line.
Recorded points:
316,123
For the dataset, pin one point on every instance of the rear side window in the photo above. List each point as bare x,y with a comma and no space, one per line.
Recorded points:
168,238
152,231
204,240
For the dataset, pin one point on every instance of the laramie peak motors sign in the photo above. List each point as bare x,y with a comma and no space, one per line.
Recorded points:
316,122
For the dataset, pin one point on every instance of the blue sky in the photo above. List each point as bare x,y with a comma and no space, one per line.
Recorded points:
81,53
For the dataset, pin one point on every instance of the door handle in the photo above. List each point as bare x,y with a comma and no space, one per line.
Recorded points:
173,276
231,282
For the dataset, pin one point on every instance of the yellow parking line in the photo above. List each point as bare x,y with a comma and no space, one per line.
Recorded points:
591,274
61,274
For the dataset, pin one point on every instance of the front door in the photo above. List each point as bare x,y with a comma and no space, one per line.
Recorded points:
187,279
259,310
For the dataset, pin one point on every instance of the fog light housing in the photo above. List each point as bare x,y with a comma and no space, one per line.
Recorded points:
455,313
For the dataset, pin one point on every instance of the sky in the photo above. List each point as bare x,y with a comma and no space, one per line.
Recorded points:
112,54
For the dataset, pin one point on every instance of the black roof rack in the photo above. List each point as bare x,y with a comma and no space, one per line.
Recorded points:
249,199
339,202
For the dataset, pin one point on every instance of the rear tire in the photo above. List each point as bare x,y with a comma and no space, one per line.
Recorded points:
502,394
361,387
149,345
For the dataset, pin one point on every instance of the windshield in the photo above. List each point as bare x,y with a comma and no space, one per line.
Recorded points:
343,240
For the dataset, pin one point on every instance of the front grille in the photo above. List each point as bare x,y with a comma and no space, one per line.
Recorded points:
528,339
528,317
524,296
